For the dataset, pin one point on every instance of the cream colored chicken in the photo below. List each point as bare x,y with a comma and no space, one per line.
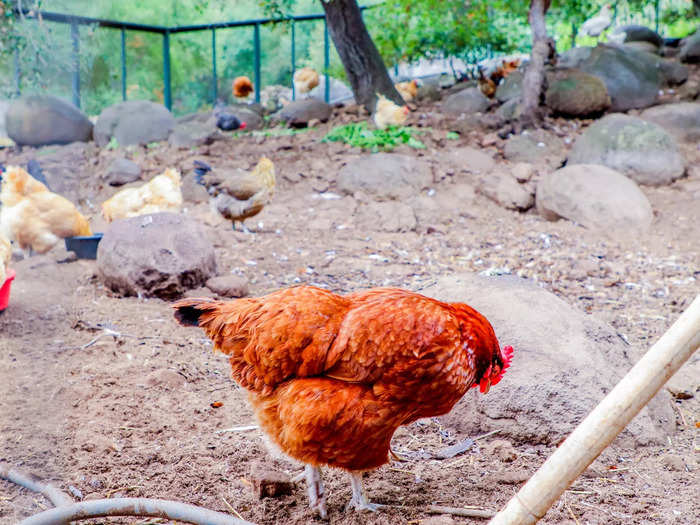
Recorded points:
407,90
305,79
389,114
161,193
34,217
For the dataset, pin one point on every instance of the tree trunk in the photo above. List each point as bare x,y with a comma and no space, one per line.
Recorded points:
533,82
363,64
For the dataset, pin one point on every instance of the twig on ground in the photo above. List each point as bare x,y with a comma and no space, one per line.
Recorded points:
157,508
461,511
244,428
232,509
34,483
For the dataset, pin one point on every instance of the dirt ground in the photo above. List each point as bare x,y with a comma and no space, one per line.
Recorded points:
131,414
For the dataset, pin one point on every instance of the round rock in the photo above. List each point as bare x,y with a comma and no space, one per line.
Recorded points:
575,93
42,120
639,149
470,100
385,176
159,255
134,122
564,363
595,197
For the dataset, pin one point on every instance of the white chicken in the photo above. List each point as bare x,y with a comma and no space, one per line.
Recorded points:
596,25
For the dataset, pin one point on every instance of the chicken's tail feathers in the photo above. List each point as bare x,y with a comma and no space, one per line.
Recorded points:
188,311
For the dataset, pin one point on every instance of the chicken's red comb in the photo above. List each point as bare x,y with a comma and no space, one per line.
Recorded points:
507,354
243,125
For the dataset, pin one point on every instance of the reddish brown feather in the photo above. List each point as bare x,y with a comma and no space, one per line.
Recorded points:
331,377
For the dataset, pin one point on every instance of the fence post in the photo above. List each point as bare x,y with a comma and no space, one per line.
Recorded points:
326,61
18,74
656,15
574,33
74,35
167,95
123,60
256,64
215,82
294,65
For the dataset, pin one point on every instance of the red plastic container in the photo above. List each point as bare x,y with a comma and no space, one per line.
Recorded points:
5,290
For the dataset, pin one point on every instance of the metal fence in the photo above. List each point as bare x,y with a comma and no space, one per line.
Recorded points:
76,21
648,14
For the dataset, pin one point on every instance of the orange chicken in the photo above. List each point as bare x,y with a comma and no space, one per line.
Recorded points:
161,193
408,90
34,217
387,113
305,79
242,87
332,377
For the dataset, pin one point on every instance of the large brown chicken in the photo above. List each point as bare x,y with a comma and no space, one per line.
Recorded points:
332,377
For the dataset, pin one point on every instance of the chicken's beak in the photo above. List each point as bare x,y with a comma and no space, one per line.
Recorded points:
485,385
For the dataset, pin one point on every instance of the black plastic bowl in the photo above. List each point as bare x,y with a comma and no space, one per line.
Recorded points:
85,247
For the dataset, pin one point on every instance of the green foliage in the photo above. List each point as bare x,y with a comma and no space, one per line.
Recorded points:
358,135
406,30
451,135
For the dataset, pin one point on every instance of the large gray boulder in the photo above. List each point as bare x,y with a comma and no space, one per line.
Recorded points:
301,112
43,120
159,255
631,77
564,363
574,93
385,176
134,122
595,197
690,49
194,130
636,33
682,120
470,100
338,91
639,149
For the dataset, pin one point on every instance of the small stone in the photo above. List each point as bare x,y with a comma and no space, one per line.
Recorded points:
523,171
672,462
268,483
228,285
122,171
502,449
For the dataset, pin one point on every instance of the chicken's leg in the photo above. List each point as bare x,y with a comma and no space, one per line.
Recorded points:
359,500
317,496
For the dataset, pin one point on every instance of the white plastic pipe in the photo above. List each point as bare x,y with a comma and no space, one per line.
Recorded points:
606,421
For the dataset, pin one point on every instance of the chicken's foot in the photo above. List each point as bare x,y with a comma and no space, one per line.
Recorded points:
359,499
317,495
